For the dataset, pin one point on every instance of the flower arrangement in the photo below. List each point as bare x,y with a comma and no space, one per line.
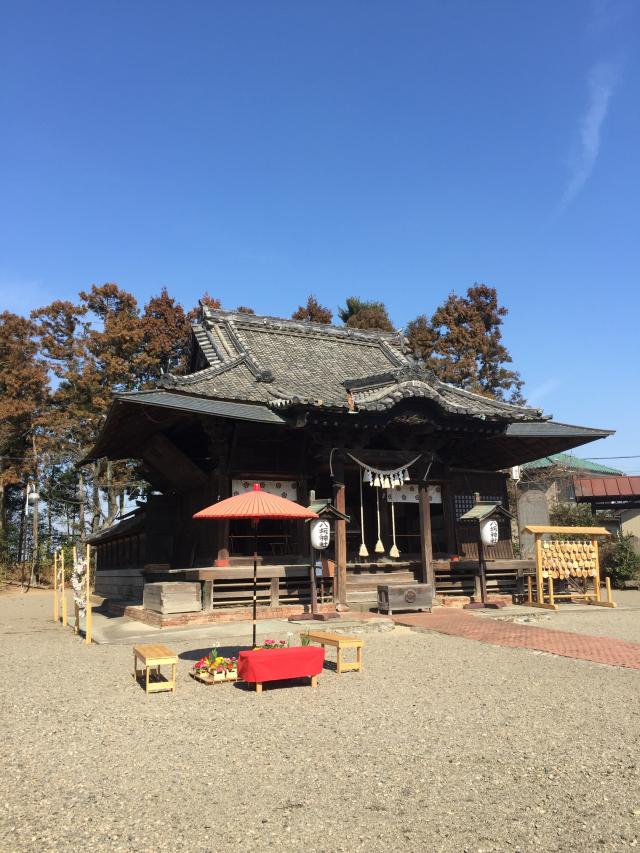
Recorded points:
217,667
274,644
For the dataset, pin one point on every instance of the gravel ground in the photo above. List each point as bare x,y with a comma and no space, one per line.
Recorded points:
441,744
623,623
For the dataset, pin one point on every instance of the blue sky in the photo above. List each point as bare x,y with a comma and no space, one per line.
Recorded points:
264,150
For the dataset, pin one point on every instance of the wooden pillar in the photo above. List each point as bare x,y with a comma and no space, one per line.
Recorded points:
424,509
339,501
302,527
449,515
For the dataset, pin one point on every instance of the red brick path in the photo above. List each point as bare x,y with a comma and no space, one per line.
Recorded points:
518,636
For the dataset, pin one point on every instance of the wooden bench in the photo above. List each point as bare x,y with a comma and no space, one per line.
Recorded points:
340,642
153,657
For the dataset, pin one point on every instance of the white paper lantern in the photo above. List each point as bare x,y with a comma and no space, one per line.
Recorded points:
489,532
320,530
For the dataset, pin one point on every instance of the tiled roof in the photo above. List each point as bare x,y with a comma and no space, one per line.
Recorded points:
567,460
285,363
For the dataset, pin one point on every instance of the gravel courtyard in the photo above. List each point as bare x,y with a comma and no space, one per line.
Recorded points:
441,744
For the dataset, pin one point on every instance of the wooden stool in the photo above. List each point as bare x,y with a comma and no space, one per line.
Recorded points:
340,642
153,657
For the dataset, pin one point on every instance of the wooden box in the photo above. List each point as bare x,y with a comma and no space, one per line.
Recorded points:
172,597
406,596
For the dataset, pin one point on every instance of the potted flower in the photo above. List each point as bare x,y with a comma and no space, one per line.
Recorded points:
232,669
201,669
274,644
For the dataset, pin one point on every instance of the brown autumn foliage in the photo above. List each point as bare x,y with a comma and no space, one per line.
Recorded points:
104,342
462,344
23,396
313,311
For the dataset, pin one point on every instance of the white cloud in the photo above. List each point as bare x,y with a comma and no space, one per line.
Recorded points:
543,390
601,83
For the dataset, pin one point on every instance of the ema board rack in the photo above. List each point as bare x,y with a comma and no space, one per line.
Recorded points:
571,560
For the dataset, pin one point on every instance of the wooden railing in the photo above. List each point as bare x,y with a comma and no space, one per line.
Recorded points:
277,586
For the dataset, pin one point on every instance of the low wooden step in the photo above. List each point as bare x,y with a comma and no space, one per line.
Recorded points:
373,579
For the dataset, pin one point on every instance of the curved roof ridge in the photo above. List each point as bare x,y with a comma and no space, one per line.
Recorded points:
289,325
492,400
171,380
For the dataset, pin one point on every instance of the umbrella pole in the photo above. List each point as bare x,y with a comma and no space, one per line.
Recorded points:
255,578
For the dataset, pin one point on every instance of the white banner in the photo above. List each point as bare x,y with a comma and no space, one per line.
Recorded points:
283,488
409,494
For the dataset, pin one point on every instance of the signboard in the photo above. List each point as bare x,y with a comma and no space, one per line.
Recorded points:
283,488
409,494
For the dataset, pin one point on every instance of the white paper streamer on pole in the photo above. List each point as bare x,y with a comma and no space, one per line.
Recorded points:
393,551
363,552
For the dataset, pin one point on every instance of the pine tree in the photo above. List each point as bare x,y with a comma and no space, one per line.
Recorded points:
359,314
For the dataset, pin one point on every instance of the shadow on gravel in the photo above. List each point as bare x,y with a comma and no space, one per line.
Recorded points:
223,651
249,687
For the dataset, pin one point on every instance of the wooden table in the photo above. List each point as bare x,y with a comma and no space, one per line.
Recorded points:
264,665
153,657
340,642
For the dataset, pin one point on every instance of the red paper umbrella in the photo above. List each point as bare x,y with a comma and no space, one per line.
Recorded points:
255,505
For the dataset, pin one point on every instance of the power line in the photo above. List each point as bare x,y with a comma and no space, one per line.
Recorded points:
595,458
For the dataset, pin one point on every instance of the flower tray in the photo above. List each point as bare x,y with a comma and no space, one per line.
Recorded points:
207,678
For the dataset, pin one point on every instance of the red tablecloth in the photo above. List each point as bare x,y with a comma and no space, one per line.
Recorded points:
278,664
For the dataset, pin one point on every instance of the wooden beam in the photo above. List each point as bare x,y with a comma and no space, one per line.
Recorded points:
545,528
449,514
163,455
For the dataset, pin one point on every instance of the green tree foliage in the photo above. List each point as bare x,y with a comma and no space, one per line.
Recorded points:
462,344
359,314
573,515
620,560
313,311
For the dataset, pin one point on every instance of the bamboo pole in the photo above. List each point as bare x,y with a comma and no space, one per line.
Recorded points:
56,608
551,598
539,580
62,591
607,581
596,578
76,609
529,589
88,614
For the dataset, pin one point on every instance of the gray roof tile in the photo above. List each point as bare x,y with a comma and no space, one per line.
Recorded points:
286,362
